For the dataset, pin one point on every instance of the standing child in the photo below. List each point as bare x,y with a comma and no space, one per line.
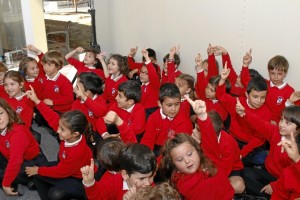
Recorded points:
62,180
18,149
92,62
117,69
171,64
166,122
259,181
188,170
14,87
3,70
138,167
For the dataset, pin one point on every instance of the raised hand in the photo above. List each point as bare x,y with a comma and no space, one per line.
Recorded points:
32,48
88,173
210,50
199,63
133,51
224,74
145,54
32,95
240,110
101,56
80,50
219,50
291,147
247,59
295,96
199,107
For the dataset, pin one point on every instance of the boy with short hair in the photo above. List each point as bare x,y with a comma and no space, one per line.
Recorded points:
166,122
279,91
138,167
127,113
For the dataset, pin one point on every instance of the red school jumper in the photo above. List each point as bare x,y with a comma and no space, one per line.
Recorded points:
111,88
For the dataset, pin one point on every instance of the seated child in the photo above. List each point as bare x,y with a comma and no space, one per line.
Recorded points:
138,167
171,64
191,172
3,70
166,122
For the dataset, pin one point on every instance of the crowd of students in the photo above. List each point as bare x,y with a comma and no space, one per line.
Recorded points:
129,130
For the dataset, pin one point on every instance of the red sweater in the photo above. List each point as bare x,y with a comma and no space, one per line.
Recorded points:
288,184
216,106
92,109
202,81
16,146
109,189
81,67
60,91
69,164
171,75
111,89
275,161
150,91
24,107
276,97
3,94
238,128
200,186
223,151
158,130
185,107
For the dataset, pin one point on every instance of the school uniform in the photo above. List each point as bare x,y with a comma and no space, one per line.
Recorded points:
16,146
239,129
223,150
172,73
215,105
60,90
185,107
276,95
200,185
3,94
23,106
288,184
159,128
111,88
81,67
202,81
93,108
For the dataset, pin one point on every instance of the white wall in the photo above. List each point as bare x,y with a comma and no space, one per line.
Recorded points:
269,27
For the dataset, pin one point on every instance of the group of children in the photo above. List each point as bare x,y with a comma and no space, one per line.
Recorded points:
136,132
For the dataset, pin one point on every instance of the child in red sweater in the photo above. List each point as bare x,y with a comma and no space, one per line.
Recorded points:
18,149
259,181
127,113
62,180
3,70
171,64
218,145
138,167
92,62
117,69
288,184
166,122
191,173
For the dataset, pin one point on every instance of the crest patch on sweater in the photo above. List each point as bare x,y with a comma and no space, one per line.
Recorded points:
279,100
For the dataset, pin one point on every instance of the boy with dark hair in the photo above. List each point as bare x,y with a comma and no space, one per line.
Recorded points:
248,139
127,113
138,167
166,122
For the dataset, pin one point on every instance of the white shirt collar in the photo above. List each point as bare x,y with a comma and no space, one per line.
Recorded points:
130,109
280,86
54,78
3,133
117,78
71,144
215,101
146,83
125,185
29,79
20,97
163,116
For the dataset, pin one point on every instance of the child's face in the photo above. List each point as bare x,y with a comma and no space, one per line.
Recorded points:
286,127
12,87
1,77
277,76
137,179
144,78
170,106
210,91
50,69
183,86
89,58
113,67
185,158
4,119
64,133
256,99
32,70
122,101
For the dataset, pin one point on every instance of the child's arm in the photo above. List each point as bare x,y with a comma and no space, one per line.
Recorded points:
153,76
100,56
245,75
201,79
212,66
74,52
294,99
170,76
131,62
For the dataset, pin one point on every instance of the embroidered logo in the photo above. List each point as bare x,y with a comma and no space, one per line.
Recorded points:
171,134
19,109
7,144
63,155
56,89
279,100
113,91
40,80
91,115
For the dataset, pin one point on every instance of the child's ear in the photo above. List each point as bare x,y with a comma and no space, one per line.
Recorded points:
124,175
131,101
75,134
159,104
188,91
247,95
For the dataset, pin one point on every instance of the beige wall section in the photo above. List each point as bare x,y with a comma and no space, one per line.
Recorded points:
269,27
34,23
